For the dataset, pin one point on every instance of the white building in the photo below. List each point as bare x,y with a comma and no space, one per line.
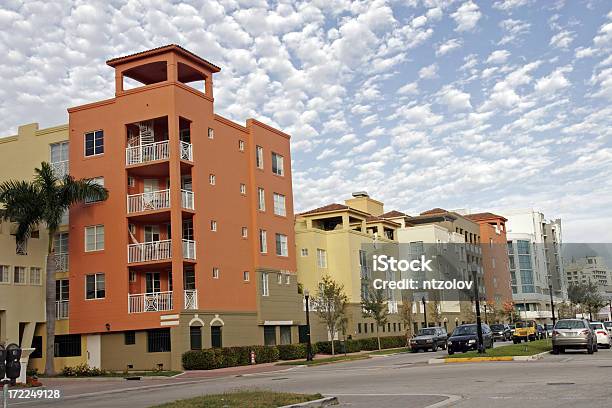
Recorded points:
588,269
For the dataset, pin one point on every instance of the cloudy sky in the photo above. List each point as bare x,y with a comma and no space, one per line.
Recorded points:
481,105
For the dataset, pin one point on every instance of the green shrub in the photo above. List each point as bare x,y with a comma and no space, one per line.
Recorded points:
209,359
291,351
370,343
352,346
82,370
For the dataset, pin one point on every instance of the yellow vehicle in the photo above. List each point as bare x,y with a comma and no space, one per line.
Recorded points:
524,331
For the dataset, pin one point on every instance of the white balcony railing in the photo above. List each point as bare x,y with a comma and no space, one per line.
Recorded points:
189,248
61,309
147,153
392,306
186,151
61,262
191,299
150,251
61,168
154,200
187,199
149,302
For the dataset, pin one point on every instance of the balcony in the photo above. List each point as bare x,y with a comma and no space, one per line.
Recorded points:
152,201
392,306
187,199
61,262
60,168
147,153
61,309
150,251
186,151
191,299
149,302
189,248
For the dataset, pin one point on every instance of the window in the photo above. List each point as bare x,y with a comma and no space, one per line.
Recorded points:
4,274
129,338
211,133
244,232
216,339
279,204
281,245
19,276
95,286
279,278
277,164
242,188
241,145
94,238
37,345
62,290
265,290
96,180
259,157
94,143
358,327
304,251
195,337
213,225
246,276
270,335
35,277
287,279
59,152
132,276
321,258
215,273
285,334
131,181
212,179
261,199
60,243
158,340
263,244
67,345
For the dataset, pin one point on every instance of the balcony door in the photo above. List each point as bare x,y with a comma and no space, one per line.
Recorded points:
150,186
151,233
152,282
186,183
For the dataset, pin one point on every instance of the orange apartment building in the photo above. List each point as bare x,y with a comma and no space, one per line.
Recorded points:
195,246
494,257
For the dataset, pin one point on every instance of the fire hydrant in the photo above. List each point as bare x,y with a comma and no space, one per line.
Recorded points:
252,356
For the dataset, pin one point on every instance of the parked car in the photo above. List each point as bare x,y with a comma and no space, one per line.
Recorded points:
540,332
549,329
429,338
608,326
573,334
465,337
501,331
524,331
601,334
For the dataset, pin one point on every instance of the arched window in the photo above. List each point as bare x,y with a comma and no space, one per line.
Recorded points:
195,337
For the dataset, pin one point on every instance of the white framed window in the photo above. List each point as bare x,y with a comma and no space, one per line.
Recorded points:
213,225
96,180
242,188
244,232
261,199
215,273
35,276
279,205
241,145
279,278
265,289
282,249
19,275
263,241
304,251
132,229
287,278
4,274
94,143
211,133
131,181
95,286
259,160
278,164
321,258
94,238
132,276
246,276
59,152
212,179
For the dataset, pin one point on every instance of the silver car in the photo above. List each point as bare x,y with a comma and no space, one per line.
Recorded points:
573,334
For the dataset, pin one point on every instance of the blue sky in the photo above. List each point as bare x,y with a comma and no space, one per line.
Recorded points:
483,105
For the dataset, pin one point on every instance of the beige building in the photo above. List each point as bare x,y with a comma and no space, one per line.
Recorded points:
588,269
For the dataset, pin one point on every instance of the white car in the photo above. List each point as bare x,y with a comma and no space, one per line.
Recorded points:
603,337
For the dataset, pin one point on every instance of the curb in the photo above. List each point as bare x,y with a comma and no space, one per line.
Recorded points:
538,356
322,402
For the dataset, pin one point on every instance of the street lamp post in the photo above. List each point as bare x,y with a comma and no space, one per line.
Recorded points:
552,304
424,311
481,348
309,343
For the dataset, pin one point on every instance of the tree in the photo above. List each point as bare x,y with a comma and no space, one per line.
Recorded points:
42,202
406,313
491,311
593,300
330,305
375,306
435,311
576,293
564,311
510,312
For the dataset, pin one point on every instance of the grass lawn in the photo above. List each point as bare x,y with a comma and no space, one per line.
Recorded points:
329,360
390,351
522,349
242,399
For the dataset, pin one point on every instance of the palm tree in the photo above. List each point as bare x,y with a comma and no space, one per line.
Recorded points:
42,202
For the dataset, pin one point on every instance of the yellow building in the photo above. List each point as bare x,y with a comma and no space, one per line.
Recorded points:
333,240
22,270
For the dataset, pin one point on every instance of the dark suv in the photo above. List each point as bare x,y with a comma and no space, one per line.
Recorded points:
465,338
429,338
501,331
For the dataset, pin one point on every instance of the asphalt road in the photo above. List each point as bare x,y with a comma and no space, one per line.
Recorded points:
403,380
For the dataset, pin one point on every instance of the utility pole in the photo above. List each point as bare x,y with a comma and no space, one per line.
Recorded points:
424,311
481,348
552,304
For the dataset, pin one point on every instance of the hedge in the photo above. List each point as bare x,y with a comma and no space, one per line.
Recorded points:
367,344
209,359
294,351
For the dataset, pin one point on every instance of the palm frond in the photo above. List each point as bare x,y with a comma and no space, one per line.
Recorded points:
22,204
75,191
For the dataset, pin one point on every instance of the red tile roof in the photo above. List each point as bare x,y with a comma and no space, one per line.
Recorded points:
159,50
434,211
393,214
327,208
485,216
